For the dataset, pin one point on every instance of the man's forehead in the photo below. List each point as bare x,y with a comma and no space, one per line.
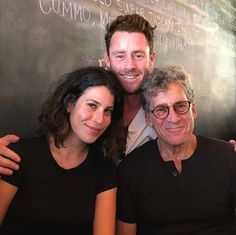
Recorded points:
133,39
172,94
131,47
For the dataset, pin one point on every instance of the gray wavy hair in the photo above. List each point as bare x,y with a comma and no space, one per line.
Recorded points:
160,78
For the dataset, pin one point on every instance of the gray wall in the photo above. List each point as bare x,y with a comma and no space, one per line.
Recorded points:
42,39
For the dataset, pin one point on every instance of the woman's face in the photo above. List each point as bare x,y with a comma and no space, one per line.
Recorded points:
91,114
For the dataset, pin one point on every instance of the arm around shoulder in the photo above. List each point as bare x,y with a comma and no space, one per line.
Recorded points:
8,158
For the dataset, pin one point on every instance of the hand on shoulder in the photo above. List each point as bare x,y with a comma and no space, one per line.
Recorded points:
8,158
233,142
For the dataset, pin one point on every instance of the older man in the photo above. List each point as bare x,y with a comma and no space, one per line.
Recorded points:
180,183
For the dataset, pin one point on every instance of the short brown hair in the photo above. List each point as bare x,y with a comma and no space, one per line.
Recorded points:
130,23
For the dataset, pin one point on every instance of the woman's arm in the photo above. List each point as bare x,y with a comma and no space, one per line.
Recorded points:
123,228
7,193
8,158
105,213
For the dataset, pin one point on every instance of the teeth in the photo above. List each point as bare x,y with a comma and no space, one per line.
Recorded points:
129,76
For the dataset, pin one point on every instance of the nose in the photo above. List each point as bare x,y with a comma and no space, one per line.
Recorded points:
130,62
98,116
173,116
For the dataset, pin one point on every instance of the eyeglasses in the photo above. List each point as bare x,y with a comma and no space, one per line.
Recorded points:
162,111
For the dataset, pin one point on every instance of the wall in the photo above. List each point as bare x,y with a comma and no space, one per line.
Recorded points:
43,39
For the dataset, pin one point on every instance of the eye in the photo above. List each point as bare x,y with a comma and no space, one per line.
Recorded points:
92,106
181,106
161,109
108,111
139,56
119,56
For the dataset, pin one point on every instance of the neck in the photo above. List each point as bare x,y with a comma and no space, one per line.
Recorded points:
132,104
177,152
71,154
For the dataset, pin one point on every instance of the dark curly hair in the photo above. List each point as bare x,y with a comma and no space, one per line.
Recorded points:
54,118
130,23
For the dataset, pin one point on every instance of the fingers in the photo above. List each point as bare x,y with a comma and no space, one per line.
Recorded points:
5,171
8,158
8,139
233,142
7,166
5,152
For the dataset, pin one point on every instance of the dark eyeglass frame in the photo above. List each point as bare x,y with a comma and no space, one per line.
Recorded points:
168,109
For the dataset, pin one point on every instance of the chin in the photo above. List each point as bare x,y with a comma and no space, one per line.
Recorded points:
177,141
90,140
131,91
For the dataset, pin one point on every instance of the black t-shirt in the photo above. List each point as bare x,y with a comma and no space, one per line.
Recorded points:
52,199
200,200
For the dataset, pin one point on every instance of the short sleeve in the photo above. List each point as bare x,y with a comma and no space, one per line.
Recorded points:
108,177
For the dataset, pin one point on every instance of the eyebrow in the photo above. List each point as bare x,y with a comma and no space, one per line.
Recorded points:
99,103
124,52
118,52
165,104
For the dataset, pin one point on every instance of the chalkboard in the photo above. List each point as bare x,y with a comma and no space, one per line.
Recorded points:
43,39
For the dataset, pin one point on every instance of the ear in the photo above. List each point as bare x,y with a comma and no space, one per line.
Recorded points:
107,60
152,59
70,107
148,119
194,111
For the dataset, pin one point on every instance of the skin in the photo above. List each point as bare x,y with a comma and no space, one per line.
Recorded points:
89,118
176,140
175,130
131,59
91,114
105,208
9,160
123,228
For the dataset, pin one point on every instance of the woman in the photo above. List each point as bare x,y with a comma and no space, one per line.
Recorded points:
67,181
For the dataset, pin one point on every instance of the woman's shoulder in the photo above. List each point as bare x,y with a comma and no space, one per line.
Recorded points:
29,140
29,145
